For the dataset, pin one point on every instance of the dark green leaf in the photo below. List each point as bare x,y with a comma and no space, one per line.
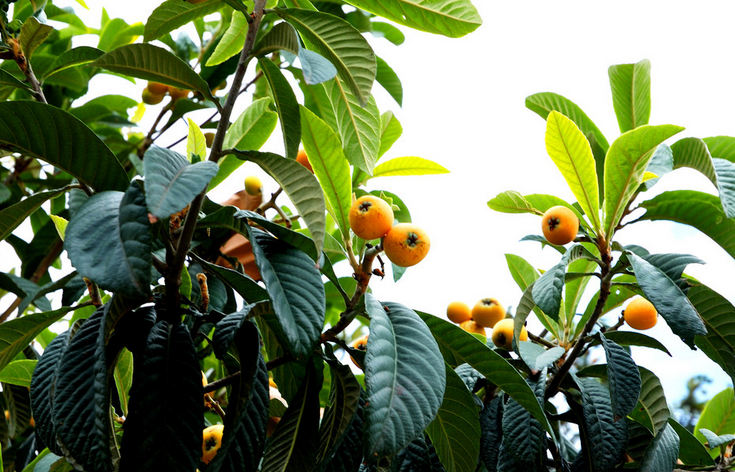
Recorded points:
652,410
75,57
404,378
18,372
14,215
522,434
109,241
537,357
173,14
632,338
491,426
8,79
669,300
714,440
18,333
294,238
672,265
623,378
171,182
387,77
719,342
691,451
547,289
164,428
348,456
286,104
281,37
455,432
45,132
241,283
631,91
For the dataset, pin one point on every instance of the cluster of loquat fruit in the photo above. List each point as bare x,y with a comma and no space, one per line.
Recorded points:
154,92
487,313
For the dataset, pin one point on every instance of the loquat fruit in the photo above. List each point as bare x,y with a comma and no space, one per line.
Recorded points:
209,139
361,345
471,327
640,314
157,88
370,217
212,442
253,185
150,98
502,335
177,93
406,244
458,312
487,312
559,225
272,423
303,160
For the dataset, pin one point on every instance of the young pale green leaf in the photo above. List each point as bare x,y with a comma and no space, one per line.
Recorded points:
625,165
381,29
722,147
571,152
286,104
301,187
123,376
662,453
669,300
8,79
232,41
537,357
631,92
718,416
341,44
522,434
32,34
109,242
714,440
691,451
330,166
164,428
250,131
623,378
449,18
458,347
717,313
18,372
295,288
171,182
196,144
281,37
511,201
295,441
390,81
491,428
409,165
652,410
50,134
404,378
390,131
116,32
11,217
153,63
173,14
358,125
455,432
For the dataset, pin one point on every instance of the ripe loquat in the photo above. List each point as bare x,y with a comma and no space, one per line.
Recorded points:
253,185
472,327
212,442
371,217
177,93
502,335
559,225
487,312
361,345
406,244
458,312
640,314
157,88
303,160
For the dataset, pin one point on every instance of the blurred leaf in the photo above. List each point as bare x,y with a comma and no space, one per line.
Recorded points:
390,131
631,92
286,104
449,18
18,372
45,132
173,14
718,416
123,375
12,216
8,79
380,29
691,451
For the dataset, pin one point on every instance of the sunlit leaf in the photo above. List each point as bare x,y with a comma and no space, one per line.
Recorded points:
631,92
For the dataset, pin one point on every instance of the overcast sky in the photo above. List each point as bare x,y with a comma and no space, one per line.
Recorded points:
464,108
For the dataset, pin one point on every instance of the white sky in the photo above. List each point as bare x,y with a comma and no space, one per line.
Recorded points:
464,108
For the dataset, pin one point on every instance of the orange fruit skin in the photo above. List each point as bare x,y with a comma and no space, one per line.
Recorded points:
559,225
177,93
503,334
458,312
157,88
150,98
471,327
370,217
212,442
361,345
272,423
406,244
487,312
303,160
640,314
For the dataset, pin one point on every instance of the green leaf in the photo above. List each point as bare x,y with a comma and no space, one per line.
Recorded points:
173,14
108,241
409,165
294,443
315,68
662,453
241,283
571,152
156,64
390,81
232,41
713,440
341,44
250,131
171,182
537,357
74,57
623,378
196,143
32,34
294,238
625,165
163,430
691,451
358,125
547,289
717,313
458,347
295,288
50,134
522,434
330,166
8,79
669,300
11,217
124,378
652,410
455,432
632,338
286,104
446,17
390,131
404,378
631,92
301,187
491,429
380,29
281,37
718,416
18,372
